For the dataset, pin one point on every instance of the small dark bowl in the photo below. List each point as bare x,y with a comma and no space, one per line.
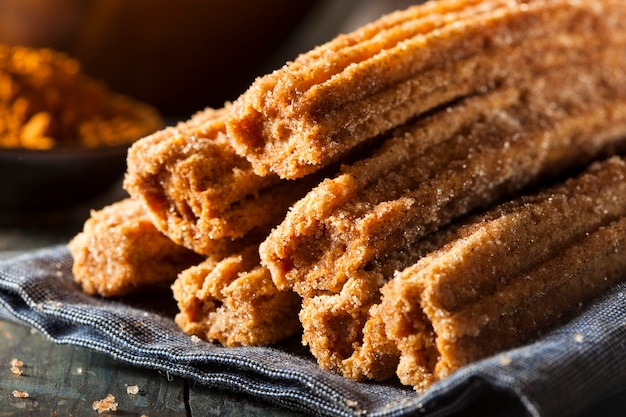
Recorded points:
32,180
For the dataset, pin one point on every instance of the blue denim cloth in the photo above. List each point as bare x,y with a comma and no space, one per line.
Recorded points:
559,375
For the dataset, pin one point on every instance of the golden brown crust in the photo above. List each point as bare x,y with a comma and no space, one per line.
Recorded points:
187,176
334,331
341,336
509,274
345,239
342,330
234,301
120,252
359,85
459,159
199,192
467,103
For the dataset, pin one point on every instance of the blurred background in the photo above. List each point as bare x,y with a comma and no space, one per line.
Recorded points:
181,56
178,56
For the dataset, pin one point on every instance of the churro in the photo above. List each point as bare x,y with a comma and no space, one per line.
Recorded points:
509,275
119,252
178,172
198,191
443,166
409,260
341,330
233,301
357,86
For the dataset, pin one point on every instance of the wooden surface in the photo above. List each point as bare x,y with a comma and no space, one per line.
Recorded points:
64,380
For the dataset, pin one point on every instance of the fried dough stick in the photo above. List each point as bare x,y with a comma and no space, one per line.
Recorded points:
120,252
233,301
227,297
343,334
517,271
353,88
445,165
198,191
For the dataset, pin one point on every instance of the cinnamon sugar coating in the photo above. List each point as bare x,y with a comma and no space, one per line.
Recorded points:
120,252
342,93
198,191
187,177
343,332
440,167
508,275
233,301
438,113
389,209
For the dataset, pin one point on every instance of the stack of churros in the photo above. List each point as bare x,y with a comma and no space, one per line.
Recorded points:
437,186
509,274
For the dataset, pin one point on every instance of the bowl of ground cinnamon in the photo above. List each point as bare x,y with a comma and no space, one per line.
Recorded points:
63,135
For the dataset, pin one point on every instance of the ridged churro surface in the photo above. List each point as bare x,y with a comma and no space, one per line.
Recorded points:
359,85
233,301
119,252
199,192
188,177
342,331
456,160
347,237
509,274
430,247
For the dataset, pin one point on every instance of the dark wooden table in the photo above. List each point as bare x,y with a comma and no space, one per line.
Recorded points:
64,380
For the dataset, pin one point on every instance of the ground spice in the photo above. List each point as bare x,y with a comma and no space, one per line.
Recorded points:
46,102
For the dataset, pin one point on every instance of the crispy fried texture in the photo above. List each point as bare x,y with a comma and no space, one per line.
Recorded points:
508,275
198,191
341,330
389,209
46,102
459,159
464,103
188,177
234,301
359,85
120,252
334,331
